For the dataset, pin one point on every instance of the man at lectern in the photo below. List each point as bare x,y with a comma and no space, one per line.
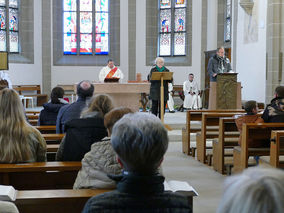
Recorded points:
110,72
218,64
156,85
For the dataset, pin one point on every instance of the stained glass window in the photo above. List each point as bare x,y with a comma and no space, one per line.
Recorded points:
172,27
9,26
92,22
228,21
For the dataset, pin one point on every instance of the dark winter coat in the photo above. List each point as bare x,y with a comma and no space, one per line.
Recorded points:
49,114
138,194
215,64
156,86
274,112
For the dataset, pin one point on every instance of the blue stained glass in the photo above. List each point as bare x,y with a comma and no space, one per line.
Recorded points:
165,3
13,19
70,44
13,3
69,21
3,18
102,44
86,22
101,22
165,21
2,2
180,19
69,5
102,5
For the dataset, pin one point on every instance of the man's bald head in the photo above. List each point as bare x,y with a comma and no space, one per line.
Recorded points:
85,89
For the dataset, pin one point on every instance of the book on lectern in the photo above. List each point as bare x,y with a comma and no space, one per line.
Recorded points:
181,187
7,193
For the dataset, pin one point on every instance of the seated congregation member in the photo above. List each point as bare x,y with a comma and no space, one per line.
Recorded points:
251,116
257,190
101,160
140,141
274,112
81,133
85,90
192,98
19,142
50,110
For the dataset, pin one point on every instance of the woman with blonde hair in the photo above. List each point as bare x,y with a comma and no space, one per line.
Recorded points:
19,142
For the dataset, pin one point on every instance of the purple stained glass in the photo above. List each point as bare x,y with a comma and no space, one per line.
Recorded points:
69,5
101,22
165,3
13,3
180,3
102,5
14,42
2,2
86,44
2,40
165,44
102,44
180,21
2,18
165,21
86,22
13,19
69,22
86,5
179,44
70,44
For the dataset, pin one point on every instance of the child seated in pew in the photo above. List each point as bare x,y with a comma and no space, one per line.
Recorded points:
257,190
101,160
19,141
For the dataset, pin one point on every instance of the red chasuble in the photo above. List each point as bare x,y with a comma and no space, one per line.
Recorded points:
111,73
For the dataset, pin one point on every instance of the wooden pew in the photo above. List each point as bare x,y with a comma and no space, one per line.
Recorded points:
52,147
210,119
257,134
32,117
277,148
40,175
33,122
196,115
32,112
222,143
46,129
47,201
53,138
41,98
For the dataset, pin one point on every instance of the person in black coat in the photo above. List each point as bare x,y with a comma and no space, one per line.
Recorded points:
50,110
156,86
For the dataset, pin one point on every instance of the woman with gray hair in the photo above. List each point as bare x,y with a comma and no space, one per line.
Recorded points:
256,190
156,86
140,140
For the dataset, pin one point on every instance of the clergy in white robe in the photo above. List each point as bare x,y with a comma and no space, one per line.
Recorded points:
192,98
110,71
171,100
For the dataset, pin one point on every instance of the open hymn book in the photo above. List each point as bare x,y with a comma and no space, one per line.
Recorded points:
181,187
7,193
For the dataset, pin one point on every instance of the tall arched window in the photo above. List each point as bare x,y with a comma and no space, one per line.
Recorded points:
228,21
9,29
172,28
86,27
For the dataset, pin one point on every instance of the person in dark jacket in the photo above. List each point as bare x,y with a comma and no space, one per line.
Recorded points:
85,91
218,64
274,112
140,141
50,110
156,86
81,133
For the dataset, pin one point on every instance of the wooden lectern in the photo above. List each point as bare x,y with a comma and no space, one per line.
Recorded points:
225,93
162,76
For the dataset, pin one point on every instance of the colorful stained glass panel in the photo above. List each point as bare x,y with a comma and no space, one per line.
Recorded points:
86,44
101,22
70,44
69,5
13,19
179,44
102,44
2,40
69,22
86,5
2,2
165,21
13,3
180,3
86,22
165,44
165,3
14,42
102,5
2,18
180,21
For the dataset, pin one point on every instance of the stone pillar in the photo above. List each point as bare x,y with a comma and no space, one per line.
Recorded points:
132,40
204,35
